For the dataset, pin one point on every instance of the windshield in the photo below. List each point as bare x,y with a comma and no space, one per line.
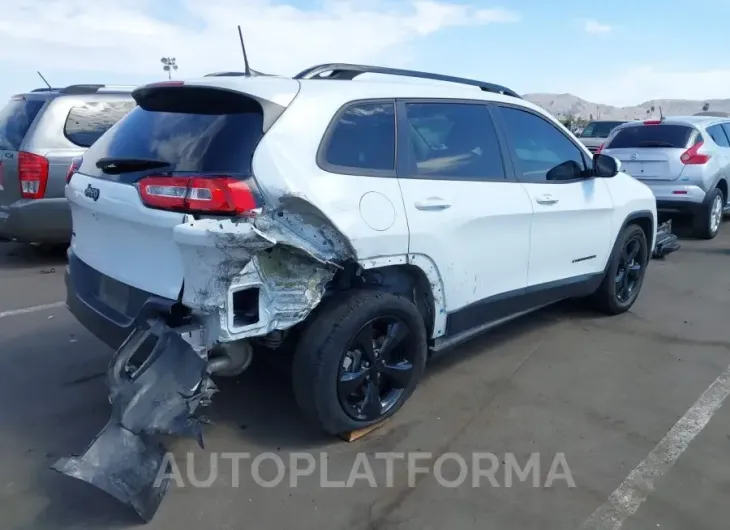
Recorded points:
15,120
673,136
600,129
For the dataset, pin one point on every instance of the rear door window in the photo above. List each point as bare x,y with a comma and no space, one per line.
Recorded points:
453,141
190,143
726,128
15,120
718,135
87,122
666,135
361,141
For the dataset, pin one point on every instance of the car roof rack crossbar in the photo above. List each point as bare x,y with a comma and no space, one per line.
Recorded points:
348,72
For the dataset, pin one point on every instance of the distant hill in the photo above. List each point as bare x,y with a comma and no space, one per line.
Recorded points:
564,105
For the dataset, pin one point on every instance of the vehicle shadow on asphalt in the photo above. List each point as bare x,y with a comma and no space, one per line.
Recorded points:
17,256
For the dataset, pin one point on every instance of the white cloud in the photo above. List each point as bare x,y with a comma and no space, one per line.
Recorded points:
117,35
593,26
635,85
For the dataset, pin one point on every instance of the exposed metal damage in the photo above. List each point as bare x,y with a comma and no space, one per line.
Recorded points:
666,241
160,377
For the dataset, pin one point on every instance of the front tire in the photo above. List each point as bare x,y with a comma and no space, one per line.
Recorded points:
708,219
625,274
359,360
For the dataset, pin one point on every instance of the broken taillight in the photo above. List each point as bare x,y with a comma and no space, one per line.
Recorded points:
214,195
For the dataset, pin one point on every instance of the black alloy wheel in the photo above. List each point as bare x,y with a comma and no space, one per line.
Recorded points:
376,368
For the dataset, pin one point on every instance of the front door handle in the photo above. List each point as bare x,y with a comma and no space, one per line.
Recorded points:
432,203
546,199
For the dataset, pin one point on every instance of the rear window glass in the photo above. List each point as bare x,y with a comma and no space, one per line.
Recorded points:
15,120
600,129
86,123
189,143
652,136
363,138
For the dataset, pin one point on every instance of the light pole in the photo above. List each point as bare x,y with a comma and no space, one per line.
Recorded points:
168,65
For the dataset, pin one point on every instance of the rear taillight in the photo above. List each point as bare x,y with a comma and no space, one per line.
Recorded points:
215,195
73,168
33,175
600,148
692,157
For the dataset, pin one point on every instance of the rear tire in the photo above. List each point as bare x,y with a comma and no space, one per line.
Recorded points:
332,358
706,222
625,274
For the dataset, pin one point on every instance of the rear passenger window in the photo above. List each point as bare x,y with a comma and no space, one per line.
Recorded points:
718,135
726,127
453,140
362,139
86,123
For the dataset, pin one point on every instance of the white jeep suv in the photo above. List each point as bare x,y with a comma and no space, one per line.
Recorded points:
368,224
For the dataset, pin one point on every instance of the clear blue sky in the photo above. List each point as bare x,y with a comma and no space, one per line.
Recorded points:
619,52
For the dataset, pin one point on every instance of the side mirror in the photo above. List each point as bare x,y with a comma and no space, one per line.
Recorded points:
568,170
605,166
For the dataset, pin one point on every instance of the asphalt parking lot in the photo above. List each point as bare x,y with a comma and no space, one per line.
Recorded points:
635,403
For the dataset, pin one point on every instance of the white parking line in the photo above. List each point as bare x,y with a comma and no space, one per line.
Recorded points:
641,481
33,309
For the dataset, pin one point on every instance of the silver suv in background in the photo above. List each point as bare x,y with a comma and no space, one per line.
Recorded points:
684,160
41,133
595,133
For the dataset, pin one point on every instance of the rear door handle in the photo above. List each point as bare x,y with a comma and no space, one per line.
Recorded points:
432,204
546,199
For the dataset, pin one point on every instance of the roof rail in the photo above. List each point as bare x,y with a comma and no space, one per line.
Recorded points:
44,89
350,71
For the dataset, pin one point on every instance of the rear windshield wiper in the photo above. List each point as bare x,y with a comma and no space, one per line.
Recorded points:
115,166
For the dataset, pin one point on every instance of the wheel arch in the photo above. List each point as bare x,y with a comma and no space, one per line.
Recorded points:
645,220
413,276
723,187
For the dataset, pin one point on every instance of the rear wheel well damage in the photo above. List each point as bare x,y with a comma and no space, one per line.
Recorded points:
404,280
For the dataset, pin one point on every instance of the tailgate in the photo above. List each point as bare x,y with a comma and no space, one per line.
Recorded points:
651,150
650,163
16,119
121,238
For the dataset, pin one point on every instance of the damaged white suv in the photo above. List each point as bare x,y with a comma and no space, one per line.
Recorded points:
369,224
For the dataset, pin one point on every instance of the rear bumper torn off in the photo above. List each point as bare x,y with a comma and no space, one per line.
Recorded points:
153,394
287,271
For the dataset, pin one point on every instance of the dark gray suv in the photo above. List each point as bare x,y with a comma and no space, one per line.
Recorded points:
41,133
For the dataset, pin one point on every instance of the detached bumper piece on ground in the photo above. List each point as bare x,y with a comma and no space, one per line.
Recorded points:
666,241
153,396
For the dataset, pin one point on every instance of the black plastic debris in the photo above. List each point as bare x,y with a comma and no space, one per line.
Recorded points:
666,241
152,395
